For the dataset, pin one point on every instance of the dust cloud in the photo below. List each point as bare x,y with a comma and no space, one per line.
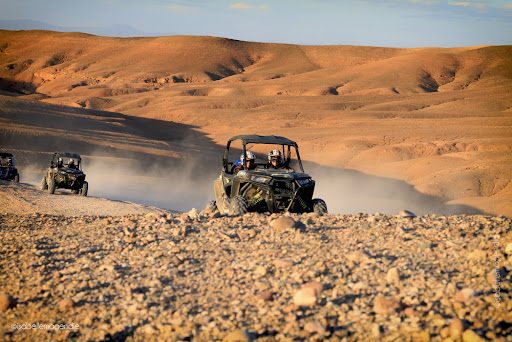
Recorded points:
179,185
186,183
349,192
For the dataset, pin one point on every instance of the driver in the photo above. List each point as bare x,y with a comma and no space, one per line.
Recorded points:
71,164
60,163
275,159
249,162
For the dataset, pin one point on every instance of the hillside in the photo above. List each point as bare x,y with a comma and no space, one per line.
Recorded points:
435,118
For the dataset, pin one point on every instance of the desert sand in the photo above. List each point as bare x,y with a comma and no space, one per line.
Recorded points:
437,120
380,130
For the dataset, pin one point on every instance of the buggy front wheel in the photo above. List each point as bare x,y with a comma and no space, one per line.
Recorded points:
44,184
239,205
85,189
17,178
51,186
319,206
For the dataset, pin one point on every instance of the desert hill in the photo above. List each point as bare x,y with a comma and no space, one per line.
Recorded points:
435,118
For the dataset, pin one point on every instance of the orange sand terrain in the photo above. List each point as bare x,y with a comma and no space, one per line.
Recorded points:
382,129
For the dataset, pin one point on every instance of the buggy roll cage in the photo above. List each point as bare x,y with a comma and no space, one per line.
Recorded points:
6,156
63,155
263,139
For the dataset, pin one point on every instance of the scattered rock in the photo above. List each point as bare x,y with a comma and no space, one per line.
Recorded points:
6,302
406,214
315,327
508,249
281,263
283,223
265,295
66,303
261,270
193,214
465,294
238,336
306,296
478,254
385,306
393,277
129,224
471,336
456,328
315,285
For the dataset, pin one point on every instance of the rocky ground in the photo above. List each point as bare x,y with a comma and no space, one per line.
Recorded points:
206,277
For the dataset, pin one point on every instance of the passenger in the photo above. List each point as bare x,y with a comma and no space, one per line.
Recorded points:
9,162
60,163
249,163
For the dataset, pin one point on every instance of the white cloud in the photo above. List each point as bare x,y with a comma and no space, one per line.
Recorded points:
241,5
508,6
425,2
464,4
181,8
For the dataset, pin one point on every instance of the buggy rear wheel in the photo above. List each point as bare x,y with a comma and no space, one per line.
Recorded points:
44,184
51,186
85,189
319,206
239,205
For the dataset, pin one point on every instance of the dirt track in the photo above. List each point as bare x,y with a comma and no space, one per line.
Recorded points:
20,198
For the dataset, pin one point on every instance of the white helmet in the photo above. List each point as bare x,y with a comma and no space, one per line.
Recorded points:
250,156
275,154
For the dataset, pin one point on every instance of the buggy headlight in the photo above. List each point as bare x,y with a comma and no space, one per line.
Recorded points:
304,181
260,179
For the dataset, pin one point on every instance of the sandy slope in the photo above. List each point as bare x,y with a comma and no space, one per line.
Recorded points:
438,119
19,198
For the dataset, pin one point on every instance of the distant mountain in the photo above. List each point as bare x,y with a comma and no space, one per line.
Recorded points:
28,25
117,30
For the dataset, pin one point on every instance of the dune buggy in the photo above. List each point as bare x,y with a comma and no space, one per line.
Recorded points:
261,188
65,172
7,169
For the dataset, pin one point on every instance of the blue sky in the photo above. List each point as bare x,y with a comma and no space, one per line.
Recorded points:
390,23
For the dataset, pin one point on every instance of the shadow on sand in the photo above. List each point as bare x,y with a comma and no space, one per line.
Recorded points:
172,165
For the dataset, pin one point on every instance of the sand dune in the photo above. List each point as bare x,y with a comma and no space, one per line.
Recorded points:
434,118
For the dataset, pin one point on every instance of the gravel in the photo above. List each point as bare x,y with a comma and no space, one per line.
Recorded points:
206,277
